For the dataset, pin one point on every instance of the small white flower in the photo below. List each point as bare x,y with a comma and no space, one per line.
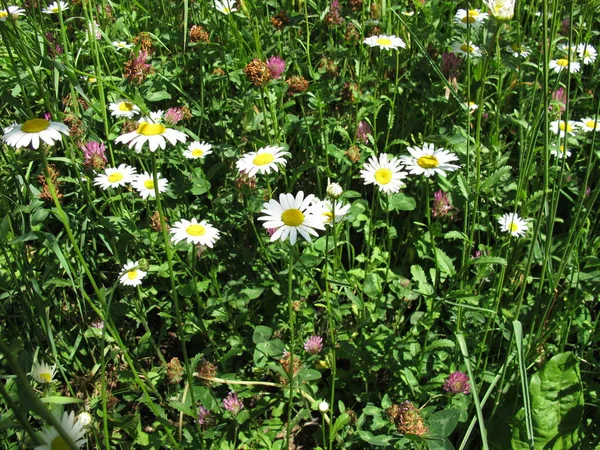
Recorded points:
588,124
473,16
513,224
43,373
429,161
466,48
131,274
334,190
197,150
386,42
85,418
384,172
560,64
561,127
323,406
123,108
13,11
121,44
331,211
472,106
144,184
74,429
501,9
115,176
55,7
194,232
157,116
156,134
225,6
34,130
518,51
559,151
264,161
587,52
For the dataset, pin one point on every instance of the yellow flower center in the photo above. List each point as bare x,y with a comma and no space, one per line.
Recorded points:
471,16
562,126
226,10
263,159
151,129
292,217
590,123
58,443
467,48
197,153
132,274
383,176
195,229
329,216
35,125
149,184
513,227
45,377
561,149
587,54
125,106
115,177
562,62
384,42
55,9
3,14
428,162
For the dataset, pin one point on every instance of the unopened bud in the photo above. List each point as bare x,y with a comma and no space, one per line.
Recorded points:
334,190
323,406
144,264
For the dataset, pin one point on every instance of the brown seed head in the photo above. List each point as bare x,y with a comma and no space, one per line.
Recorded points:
258,72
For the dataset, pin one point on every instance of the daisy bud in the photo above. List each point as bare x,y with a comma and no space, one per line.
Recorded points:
323,406
334,190
143,264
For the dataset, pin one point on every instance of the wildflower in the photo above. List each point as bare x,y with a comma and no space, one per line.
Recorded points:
74,429
333,16
174,371
173,116
451,65
561,127
55,7
144,184
264,161
131,274
121,44
194,232
457,383
441,204
429,161
587,52
353,153
137,69
296,84
84,418
562,63
156,116
513,224
144,39
98,324
115,176
407,418
199,34
197,150
472,106
518,51
46,194
333,212
156,134
466,48
313,345
203,414
13,11
43,373
123,108
384,172
472,16
232,403
501,9
94,155
94,28
30,132
560,96
386,42
276,66
291,216
588,124
323,406
258,72
559,151
334,190
225,6
363,130
280,20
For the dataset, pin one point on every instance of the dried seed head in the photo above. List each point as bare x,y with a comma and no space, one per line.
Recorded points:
258,72
199,34
297,84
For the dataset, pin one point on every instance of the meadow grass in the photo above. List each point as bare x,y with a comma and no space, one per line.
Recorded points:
299,224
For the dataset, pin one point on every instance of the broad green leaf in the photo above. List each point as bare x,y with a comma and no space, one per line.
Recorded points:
379,440
373,285
59,400
401,202
443,423
262,334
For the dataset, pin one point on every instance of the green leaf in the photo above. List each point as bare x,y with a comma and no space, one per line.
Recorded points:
489,260
373,285
158,96
445,263
401,202
498,175
456,235
556,405
439,443
340,423
59,400
443,422
381,440
262,334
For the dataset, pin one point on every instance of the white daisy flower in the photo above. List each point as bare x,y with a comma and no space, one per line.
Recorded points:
123,108
290,216
30,132
384,41
265,160
115,176
225,6
501,9
518,51
588,124
328,209
561,127
74,428
197,150
566,47
471,106
84,418
131,274
559,151
466,48
156,134
121,44
55,7
334,190
43,373
157,116
144,184
473,16
194,232
429,161
384,172
562,63
13,11
587,52
513,224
